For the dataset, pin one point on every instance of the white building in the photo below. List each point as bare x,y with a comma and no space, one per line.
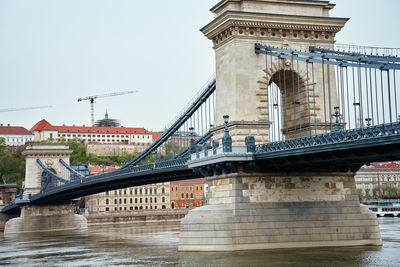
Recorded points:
43,130
15,135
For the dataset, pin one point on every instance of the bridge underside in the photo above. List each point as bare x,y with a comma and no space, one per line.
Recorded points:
333,157
89,187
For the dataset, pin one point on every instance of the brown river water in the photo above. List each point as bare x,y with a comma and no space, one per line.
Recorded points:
156,245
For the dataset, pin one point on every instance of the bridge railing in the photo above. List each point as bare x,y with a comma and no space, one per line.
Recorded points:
136,169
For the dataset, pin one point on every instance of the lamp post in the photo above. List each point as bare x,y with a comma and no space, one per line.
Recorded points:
227,139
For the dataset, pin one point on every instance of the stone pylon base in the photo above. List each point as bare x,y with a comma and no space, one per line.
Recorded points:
248,211
45,219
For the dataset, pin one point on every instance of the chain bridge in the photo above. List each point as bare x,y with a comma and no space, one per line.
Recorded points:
279,131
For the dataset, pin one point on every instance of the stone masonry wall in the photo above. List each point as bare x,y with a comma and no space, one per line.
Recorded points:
270,210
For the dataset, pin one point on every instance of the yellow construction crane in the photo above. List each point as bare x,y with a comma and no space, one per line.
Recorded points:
26,108
92,98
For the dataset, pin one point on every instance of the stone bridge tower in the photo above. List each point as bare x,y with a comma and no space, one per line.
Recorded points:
50,155
254,208
241,74
45,218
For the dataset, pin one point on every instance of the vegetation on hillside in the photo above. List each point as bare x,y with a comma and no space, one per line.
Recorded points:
12,165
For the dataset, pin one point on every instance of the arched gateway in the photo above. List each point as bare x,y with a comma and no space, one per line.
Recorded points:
243,76
42,161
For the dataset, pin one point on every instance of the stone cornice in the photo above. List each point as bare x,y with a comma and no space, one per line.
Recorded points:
231,19
326,4
49,152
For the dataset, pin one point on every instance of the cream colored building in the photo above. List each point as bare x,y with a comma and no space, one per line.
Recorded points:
43,130
148,197
374,180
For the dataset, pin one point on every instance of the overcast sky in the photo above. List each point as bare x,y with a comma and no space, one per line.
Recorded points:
53,52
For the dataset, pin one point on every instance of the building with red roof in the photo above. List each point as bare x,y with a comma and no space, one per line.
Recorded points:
15,135
43,130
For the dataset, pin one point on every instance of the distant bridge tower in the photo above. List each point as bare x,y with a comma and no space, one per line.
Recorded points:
49,154
242,80
38,218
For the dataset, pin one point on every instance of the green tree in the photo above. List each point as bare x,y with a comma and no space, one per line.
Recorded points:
12,167
392,192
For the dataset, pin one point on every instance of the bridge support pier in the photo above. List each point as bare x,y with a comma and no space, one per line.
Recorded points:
248,211
45,219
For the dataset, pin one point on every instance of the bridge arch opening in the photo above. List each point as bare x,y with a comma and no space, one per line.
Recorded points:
47,181
291,105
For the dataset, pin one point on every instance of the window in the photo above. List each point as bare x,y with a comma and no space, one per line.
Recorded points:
125,192
140,190
163,190
155,191
115,192
135,191
145,200
131,200
191,195
201,188
163,199
183,196
135,200
155,200
172,188
140,200
120,201
107,209
51,135
115,201
182,188
187,189
145,191
106,193
107,202
124,200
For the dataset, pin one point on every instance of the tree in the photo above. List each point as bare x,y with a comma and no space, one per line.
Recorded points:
392,192
12,167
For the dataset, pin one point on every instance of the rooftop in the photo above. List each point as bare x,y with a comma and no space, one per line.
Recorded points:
14,130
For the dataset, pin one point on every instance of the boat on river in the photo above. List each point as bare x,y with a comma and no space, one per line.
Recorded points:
382,208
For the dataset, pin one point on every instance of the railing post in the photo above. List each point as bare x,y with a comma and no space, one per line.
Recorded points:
215,145
250,144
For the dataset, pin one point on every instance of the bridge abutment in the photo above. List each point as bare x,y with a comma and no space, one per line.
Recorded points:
248,211
45,219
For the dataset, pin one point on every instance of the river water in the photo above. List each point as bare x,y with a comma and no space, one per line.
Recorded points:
156,245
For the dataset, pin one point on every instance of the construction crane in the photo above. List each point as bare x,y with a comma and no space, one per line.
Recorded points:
26,108
92,98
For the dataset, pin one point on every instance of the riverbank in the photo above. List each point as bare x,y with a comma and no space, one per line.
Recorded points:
128,217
